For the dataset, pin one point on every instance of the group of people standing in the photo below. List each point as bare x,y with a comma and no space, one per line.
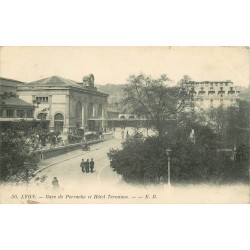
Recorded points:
87,166
127,135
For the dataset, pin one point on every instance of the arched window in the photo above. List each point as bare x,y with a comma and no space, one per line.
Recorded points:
58,122
41,116
59,117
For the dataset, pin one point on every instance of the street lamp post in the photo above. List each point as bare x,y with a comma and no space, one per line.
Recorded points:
26,167
168,151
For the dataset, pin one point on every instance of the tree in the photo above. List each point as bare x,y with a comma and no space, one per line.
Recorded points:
139,161
155,100
18,144
19,141
17,162
144,160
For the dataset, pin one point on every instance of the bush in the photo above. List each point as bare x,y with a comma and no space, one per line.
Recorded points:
144,160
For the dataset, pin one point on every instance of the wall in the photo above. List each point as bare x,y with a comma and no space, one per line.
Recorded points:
49,153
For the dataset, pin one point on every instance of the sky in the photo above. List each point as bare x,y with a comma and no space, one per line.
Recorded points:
115,64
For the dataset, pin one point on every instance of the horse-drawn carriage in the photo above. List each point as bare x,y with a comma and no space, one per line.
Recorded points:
85,147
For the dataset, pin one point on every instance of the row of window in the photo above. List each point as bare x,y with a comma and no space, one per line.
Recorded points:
212,92
11,113
212,88
42,99
210,83
221,100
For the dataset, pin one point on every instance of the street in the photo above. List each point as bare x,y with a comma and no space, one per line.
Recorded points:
66,168
105,183
70,175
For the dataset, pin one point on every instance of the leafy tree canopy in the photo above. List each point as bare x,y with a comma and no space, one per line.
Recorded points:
155,100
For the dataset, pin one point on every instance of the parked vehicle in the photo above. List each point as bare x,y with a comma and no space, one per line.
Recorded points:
85,147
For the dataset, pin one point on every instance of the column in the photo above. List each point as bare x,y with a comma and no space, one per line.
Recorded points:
93,110
83,115
103,108
33,99
66,119
50,107
105,114
50,118
4,113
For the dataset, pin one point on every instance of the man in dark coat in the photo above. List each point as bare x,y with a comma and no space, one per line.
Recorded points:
87,166
91,164
55,183
82,165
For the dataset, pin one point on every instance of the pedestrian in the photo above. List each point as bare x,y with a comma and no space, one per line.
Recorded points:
122,134
87,166
92,165
127,135
82,165
55,183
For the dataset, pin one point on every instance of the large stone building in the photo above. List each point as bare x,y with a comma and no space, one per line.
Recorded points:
214,94
67,104
12,108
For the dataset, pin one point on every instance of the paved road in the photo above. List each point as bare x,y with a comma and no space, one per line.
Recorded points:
70,174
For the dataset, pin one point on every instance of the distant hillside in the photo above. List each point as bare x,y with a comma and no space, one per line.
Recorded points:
111,89
115,92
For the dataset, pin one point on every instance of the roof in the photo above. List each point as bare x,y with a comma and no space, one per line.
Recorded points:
226,81
57,81
53,81
10,82
15,101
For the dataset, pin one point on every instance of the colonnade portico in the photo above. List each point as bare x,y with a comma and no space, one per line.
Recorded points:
86,113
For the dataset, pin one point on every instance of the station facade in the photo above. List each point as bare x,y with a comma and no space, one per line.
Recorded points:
68,105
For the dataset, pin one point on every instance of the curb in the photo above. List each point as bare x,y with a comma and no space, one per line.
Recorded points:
41,169
71,157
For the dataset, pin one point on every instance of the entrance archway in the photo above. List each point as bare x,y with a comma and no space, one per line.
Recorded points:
58,122
90,110
79,115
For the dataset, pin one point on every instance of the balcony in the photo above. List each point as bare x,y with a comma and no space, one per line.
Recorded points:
231,92
221,93
202,92
211,92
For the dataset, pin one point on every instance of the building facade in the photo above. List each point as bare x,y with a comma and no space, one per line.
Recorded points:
12,108
68,105
214,94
